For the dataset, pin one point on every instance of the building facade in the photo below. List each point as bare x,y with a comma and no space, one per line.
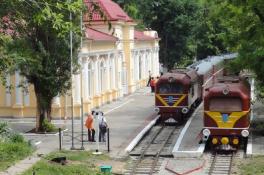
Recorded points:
114,62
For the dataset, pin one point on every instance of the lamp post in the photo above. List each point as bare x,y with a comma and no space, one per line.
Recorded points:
82,147
72,120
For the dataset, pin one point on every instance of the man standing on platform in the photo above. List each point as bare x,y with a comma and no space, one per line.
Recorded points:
102,127
89,126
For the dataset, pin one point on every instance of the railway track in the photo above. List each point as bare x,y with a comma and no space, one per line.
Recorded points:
149,159
221,164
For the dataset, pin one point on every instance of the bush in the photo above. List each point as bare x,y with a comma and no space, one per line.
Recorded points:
13,147
48,127
9,135
5,132
12,152
3,128
17,138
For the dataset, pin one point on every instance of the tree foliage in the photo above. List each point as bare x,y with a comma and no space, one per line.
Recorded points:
187,28
209,32
40,45
244,21
174,20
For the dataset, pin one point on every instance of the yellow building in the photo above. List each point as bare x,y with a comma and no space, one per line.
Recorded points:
114,63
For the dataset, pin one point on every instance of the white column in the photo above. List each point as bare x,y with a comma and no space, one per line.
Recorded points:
113,74
8,91
144,65
136,67
96,75
148,67
137,62
108,72
153,62
120,60
18,89
85,82
149,62
157,61
91,79
77,90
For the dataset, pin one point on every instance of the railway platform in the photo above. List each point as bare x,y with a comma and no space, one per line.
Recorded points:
125,117
256,139
187,144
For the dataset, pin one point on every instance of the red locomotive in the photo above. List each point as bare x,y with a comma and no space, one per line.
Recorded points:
226,113
176,93
179,91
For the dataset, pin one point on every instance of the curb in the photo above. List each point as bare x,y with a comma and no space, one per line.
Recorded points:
249,147
135,141
34,134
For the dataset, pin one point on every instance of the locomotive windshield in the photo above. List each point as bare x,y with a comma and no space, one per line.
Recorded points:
170,88
224,104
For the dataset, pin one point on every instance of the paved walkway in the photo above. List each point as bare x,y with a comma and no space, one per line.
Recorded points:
126,117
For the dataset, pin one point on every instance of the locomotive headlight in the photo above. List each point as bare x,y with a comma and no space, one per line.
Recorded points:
226,91
206,132
185,110
245,133
156,109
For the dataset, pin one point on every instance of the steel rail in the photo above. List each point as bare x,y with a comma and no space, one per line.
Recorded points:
154,163
142,155
214,165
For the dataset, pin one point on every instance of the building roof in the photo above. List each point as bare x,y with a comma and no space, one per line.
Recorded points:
112,11
138,35
96,35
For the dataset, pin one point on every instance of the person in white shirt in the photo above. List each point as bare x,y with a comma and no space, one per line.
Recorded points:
102,126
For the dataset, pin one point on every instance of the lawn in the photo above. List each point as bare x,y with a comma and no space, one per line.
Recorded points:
251,166
11,152
78,163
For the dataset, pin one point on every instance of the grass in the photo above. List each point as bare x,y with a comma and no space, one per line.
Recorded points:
252,165
78,163
11,152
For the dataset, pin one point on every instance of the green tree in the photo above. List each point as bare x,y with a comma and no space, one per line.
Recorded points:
5,61
187,29
209,31
132,8
174,20
40,46
244,21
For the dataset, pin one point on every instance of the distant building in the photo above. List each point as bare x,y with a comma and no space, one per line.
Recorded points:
114,62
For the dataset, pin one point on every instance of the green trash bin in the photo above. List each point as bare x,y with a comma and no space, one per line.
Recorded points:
106,169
